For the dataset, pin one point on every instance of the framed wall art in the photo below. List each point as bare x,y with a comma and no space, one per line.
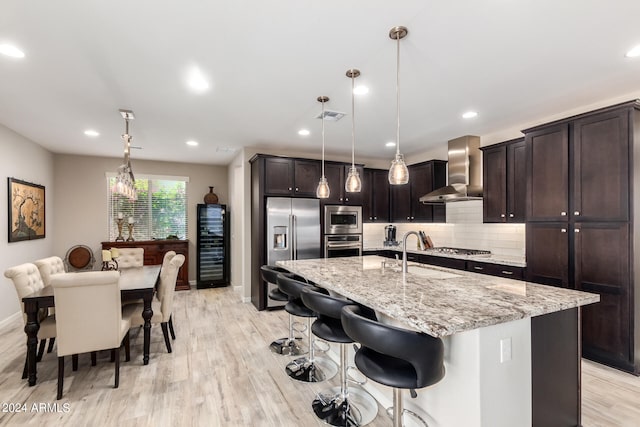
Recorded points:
26,210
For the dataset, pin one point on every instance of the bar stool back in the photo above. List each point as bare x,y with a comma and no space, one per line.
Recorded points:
339,406
395,357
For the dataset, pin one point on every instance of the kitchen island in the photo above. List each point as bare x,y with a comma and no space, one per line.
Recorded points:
512,350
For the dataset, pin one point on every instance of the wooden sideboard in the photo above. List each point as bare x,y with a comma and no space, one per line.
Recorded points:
154,251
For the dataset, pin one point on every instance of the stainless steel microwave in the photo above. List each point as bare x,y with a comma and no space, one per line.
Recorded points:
339,219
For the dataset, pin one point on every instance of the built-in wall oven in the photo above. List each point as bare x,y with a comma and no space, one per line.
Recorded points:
342,231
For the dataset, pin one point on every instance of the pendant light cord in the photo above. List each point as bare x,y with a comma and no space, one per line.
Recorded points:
323,139
353,122
398,94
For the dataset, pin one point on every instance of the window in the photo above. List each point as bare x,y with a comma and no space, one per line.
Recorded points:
159,212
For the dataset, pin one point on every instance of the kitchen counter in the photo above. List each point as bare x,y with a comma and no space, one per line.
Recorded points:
493,258
512,348
435,300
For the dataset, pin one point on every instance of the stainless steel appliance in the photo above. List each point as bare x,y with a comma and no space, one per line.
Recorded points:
390,236
293,232
339,219
465,173
340,245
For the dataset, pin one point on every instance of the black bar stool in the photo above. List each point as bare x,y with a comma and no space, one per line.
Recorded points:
305,369
339,406
284,346
395,357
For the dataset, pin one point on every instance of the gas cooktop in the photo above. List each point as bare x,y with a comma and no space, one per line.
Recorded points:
459,251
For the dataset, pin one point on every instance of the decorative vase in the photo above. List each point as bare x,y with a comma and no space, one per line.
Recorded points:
211,198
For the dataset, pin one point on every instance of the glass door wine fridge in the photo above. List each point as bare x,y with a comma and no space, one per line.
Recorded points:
213,246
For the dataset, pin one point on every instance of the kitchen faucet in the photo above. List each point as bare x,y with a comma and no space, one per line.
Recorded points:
404,248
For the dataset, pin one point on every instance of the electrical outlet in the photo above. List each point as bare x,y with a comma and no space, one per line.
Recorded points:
505,350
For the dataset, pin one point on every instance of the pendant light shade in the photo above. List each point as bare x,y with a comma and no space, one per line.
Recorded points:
398,173
353,184
323,191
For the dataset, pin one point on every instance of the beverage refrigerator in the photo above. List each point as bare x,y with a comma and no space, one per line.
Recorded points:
213,246
293,232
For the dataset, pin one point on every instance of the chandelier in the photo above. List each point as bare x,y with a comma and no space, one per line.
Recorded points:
125,181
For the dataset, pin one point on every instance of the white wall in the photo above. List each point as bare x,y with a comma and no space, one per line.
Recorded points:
25,160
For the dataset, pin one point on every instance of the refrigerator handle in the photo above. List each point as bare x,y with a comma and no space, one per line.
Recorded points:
291,234
294,238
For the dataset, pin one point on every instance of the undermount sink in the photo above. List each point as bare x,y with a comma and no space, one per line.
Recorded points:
430,273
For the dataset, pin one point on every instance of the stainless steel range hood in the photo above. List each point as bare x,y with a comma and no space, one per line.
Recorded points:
465,173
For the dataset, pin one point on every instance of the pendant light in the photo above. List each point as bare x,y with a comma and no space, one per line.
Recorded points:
125,181
323,191
398,173
353,183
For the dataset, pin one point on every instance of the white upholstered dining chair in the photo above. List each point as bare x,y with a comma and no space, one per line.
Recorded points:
88,317
130,257
48,267
163,307
26,279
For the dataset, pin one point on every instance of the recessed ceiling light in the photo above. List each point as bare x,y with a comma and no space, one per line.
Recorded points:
197,81
192,143
304,132
469,115
91,132
361,90
390,144
634,52
11,50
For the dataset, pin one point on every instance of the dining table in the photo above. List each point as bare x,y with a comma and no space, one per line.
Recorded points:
135,284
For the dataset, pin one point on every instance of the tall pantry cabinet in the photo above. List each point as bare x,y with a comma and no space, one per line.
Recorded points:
580,215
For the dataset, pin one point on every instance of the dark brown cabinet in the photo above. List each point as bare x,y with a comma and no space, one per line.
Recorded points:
154,251
579,223
375,189
291,177
602,266
423,178
504,181
336,174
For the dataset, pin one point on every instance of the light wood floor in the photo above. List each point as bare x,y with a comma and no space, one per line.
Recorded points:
221,373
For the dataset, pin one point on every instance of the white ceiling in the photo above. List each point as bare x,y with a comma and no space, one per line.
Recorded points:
268,61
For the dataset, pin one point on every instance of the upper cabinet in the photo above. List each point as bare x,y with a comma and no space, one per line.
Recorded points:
336,174
375,189
423,178
504,181
591,154
291,177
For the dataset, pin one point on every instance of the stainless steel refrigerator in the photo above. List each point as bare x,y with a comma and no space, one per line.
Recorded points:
293,231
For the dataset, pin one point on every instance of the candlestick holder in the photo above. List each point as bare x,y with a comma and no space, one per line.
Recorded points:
130,227
120,238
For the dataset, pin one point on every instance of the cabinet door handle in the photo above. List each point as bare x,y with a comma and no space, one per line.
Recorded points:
478,268
576,213
576,230
289,188
297,189
346,199
413,217
375,217
563,230
340,198
408,217
508,273
563,213
511,215
501,215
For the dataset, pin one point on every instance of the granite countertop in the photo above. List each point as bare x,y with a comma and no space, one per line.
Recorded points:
493,258
435,300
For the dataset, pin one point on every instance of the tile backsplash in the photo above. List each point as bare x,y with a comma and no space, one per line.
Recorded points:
464,229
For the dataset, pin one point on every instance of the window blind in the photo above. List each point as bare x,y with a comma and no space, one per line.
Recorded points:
159,212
